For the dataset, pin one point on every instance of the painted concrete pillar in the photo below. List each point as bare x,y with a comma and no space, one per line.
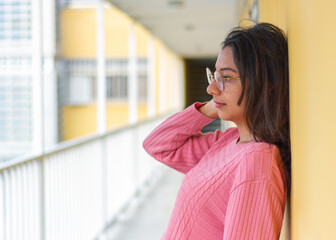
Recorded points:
101,69
151,84
312,58
132,76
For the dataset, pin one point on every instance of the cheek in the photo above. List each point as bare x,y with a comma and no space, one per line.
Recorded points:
234,107
233,99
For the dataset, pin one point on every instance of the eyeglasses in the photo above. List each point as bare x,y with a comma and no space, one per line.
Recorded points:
220,80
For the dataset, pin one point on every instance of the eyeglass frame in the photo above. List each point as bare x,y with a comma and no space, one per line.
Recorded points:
219,82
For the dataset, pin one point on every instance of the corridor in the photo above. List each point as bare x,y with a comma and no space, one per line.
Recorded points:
149,220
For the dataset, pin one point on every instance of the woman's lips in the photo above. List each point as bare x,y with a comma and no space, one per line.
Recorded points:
218,104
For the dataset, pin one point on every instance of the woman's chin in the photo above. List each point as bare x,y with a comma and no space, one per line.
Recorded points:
222,115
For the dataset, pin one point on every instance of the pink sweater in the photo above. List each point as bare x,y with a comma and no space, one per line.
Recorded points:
230,191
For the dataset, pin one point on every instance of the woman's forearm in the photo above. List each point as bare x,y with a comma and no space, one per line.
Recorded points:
178,142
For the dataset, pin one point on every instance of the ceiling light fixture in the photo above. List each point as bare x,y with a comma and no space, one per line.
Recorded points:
175,4
189,27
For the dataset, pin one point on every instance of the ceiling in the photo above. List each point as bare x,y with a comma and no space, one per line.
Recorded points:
191,28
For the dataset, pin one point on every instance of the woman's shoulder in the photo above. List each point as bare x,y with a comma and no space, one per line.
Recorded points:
261,161
262,151
262,164
264,148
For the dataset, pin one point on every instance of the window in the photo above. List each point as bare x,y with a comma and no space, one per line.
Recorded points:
15,21
79,80
15,106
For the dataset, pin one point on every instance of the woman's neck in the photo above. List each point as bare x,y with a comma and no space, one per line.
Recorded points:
245,136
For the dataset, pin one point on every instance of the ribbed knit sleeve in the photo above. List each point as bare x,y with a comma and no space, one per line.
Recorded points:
178,142
257,201
254,212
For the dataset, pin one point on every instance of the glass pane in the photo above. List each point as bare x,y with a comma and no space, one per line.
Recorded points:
15,106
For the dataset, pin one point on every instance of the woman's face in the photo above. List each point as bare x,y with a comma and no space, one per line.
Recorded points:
226,100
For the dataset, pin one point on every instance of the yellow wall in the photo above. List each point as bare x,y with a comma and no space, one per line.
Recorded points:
312,59
78,121
78,33
142,37
312,52
116,33
82,120
274,11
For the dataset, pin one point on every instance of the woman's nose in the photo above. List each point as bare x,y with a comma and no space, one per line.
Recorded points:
212,88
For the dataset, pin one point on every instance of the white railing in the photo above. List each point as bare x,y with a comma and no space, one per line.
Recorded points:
76,190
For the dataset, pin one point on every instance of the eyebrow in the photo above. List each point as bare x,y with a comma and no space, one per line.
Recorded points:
227,68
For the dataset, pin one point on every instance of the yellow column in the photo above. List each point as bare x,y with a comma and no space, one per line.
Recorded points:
273,11
312,52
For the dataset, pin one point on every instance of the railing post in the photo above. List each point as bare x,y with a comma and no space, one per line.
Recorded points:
3,230
101,69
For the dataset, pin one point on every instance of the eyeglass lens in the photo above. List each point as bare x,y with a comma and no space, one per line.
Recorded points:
218,78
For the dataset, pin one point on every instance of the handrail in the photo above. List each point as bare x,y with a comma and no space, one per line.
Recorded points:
71,171
75,142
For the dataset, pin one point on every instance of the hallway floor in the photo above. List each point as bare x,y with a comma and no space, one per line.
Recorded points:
149,220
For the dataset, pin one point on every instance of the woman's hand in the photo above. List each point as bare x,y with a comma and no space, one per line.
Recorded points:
209,109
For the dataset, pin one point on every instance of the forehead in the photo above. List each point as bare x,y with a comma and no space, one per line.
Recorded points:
225,59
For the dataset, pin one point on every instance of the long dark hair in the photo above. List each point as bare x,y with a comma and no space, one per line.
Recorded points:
260,53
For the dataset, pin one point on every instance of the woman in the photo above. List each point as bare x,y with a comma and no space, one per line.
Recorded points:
235,183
